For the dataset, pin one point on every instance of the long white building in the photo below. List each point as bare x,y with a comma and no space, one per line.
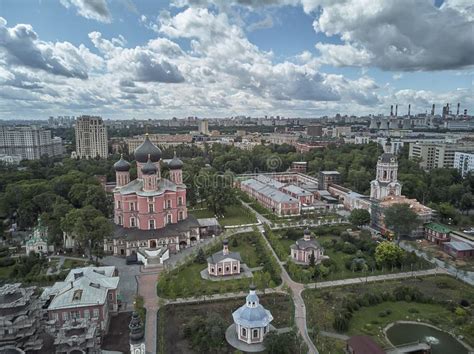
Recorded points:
28,142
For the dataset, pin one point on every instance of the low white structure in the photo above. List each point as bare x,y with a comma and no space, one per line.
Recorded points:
155,256
224,263
252,320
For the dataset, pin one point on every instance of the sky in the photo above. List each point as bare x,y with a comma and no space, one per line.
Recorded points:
159,59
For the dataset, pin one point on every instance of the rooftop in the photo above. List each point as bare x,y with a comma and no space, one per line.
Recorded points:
438,227
459,246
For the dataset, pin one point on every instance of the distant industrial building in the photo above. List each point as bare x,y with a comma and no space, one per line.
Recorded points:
464,162
28,142
91,138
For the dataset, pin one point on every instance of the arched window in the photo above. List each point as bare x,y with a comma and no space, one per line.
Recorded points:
255,333
169,218
132,222
120,220
180,201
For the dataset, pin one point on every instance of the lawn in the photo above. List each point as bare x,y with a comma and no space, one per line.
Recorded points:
74,263
172,320
186,280
442,295
5,272
234,215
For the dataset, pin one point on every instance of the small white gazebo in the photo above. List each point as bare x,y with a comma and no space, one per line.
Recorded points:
252,320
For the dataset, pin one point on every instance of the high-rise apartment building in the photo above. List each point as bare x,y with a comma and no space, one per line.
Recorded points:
91,138
464,162
204,127
29,142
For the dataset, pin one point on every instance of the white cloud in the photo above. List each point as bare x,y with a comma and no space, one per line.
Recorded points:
90,9
403,35
20,46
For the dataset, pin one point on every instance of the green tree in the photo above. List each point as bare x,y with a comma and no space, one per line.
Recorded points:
388,254
466,202
401,219
201,257
359,217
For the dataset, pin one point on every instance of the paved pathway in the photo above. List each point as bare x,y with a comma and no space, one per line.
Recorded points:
374,278
147,289
334,335
300,308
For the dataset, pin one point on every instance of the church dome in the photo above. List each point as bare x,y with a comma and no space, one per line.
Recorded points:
252,314
147,149
122,165
175,163
387,157
149,168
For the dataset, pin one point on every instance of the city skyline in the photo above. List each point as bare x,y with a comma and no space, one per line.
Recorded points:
216,58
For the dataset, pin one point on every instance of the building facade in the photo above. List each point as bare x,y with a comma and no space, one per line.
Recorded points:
433,155
386,182
203,126
38,241
224,263
464,162
89,293
29,142
150,212
252,320
305,248
437,233
91,138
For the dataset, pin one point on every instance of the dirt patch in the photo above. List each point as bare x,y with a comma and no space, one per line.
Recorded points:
117,337
173,318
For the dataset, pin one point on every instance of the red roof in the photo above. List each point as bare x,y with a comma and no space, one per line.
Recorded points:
364,345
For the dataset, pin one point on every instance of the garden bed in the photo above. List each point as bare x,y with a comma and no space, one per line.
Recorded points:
173,320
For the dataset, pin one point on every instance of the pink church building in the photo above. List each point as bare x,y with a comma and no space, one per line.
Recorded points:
150,211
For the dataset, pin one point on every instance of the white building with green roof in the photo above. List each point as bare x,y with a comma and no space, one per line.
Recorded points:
38,240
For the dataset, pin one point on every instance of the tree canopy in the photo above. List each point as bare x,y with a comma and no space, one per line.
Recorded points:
401,219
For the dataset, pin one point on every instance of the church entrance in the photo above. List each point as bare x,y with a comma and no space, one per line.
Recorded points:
152,244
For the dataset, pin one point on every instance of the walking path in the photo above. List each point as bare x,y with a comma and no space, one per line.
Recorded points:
147,289
374,278
334,335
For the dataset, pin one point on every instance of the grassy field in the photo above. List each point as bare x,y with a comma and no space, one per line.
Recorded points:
234,215
74,263
322,306
186,280
172,319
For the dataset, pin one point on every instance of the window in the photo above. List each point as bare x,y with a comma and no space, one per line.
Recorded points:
56,316
132,206
96,313
151,208
235,267
111,296
132,222
226,269
151,224
180,215
86,314
119,204
169,219
65,316
120,220
220,269
180,201
255,333
212,270
75,314
244,332
77,295
168,204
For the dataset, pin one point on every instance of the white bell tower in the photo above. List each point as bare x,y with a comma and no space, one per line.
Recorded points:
385,182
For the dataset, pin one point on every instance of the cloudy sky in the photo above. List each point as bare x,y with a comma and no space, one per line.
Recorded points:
216,58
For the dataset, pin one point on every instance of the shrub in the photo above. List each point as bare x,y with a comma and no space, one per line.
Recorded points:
341,323
6,262
460,312
464,303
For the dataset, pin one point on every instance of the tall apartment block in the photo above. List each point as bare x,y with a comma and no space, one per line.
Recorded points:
91,138
464,162
432,155
203,127
29,142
